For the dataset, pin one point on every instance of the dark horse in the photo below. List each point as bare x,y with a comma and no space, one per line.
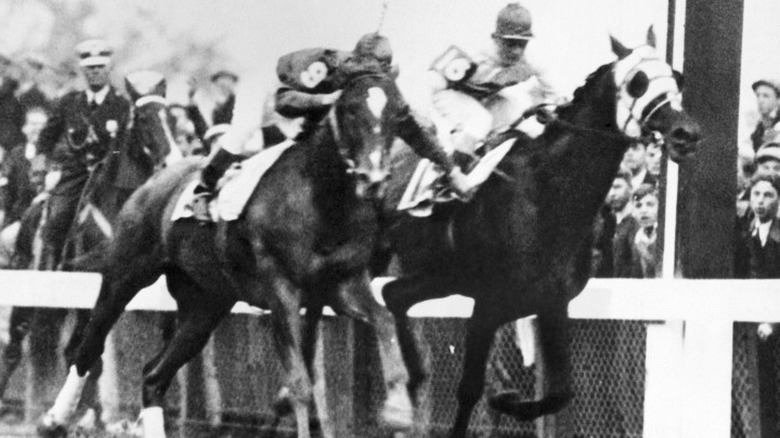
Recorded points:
523,245
305,239
131,160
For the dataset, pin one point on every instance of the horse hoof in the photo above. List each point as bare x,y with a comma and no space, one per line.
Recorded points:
282,406
397,413
47,428
510,403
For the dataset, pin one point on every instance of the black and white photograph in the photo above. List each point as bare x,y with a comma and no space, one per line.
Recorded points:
389,219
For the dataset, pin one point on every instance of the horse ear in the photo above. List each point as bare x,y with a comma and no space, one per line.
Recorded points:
651,36
134,95
618,48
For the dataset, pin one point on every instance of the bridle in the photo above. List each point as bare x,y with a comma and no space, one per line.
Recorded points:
352,169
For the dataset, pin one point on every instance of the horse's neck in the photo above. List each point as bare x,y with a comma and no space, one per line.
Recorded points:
325,167
586,147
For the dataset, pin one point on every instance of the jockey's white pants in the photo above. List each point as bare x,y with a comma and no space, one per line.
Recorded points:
462,120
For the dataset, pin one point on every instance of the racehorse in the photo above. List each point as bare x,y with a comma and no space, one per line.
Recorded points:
142,150
522,246
305,239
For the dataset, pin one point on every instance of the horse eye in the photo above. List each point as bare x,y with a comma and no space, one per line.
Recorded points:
637,86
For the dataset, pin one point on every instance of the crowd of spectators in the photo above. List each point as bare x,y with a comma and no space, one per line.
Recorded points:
626,229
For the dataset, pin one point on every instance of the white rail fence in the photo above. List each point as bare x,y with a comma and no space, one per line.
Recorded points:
689,354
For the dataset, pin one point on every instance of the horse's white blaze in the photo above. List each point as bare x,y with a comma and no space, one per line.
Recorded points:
174,154
376,159
376,101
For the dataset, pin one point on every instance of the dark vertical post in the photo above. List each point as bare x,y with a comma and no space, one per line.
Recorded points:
707,209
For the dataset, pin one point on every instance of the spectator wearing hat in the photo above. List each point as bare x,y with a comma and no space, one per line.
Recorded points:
11,111
90,122
311,82
768,99
466,98
768,158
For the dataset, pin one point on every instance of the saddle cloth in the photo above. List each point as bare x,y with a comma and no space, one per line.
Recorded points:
236,189
422,192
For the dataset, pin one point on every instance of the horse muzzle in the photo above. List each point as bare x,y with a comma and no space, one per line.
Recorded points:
683,139
371,184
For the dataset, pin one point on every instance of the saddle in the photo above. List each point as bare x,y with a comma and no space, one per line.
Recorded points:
235,188
427,187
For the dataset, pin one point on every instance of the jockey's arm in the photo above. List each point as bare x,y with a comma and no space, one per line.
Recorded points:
293,103
247,119
424,143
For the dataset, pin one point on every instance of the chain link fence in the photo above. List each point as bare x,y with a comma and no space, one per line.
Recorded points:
229,391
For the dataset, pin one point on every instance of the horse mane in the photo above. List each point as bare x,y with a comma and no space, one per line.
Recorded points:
566,111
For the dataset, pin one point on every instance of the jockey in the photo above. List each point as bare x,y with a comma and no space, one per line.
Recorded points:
474,96
311,82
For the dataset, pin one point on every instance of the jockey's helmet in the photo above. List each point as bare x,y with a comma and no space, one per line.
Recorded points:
375,46
513,23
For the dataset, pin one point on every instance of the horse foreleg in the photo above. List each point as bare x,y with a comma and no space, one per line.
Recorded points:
400,295
196,323
397,411
313,352
479,340
113,297
554,340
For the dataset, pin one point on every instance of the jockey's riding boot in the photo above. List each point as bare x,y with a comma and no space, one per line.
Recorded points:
209,177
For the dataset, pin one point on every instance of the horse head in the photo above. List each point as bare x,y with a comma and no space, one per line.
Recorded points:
649,99
363,119
152,130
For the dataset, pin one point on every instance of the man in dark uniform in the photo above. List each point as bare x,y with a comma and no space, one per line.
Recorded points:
91,123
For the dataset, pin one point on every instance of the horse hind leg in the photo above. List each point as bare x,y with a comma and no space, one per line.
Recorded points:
312,349
556,358
196,323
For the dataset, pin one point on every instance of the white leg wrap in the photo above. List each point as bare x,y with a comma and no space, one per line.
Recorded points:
68,398
153,422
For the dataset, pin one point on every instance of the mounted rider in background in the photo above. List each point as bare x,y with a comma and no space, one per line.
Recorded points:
311,82
90,123
473,96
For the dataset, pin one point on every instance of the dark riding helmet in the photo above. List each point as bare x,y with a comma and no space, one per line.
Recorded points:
513,23
374,46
